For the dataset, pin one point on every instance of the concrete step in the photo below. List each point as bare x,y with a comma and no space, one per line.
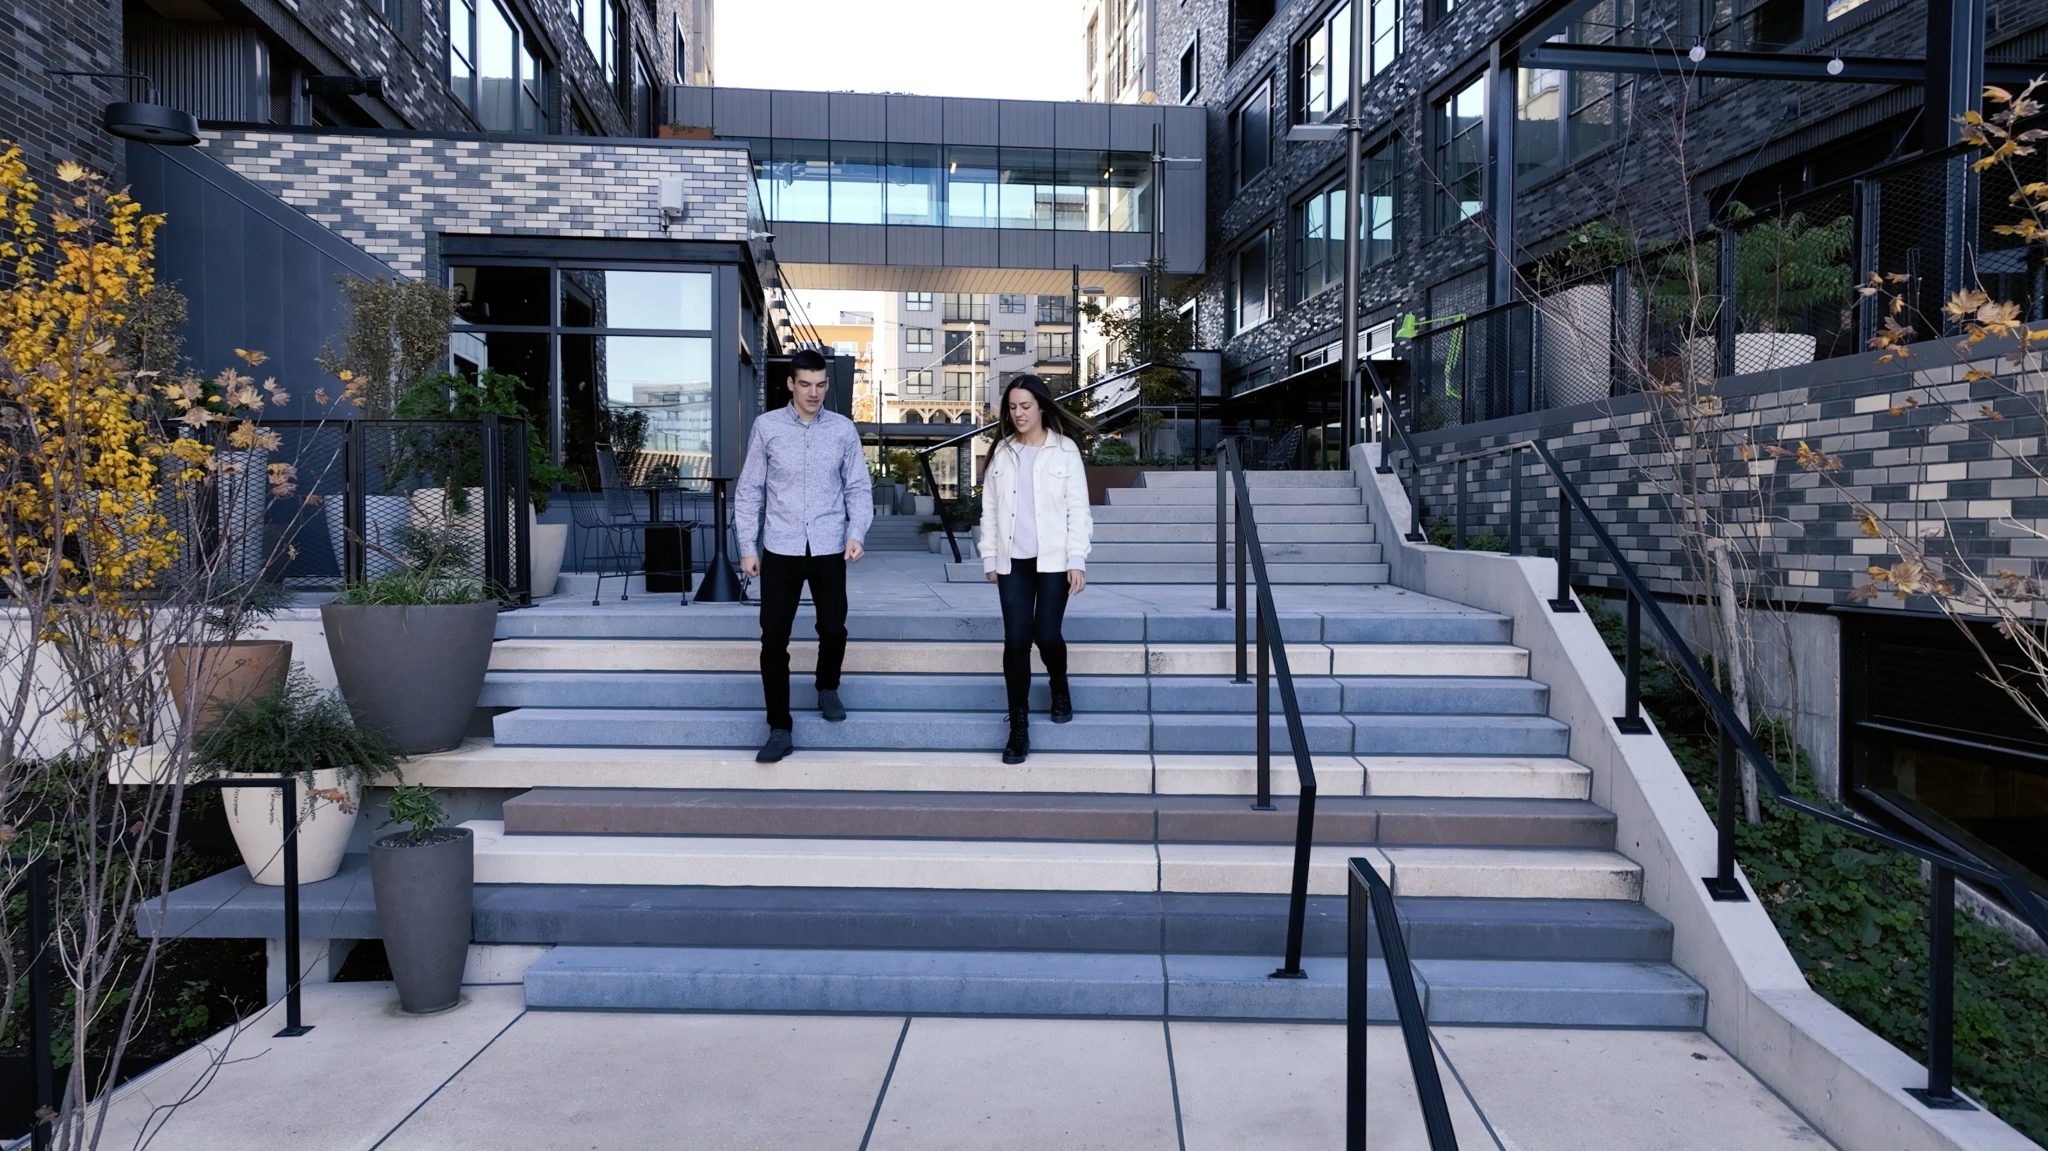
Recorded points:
1105,817
1119,531
667,622
1123,572
1528,777
1030,865
984,658
1262,497
1195,553
939,731
594,727
482,764
227,906
1419,695
1200,513
1206,479
1099,985
728,690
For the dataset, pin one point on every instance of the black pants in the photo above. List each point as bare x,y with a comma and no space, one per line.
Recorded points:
1033,605
782,583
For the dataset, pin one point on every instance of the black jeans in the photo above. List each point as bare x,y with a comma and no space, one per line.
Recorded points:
1033,605
782,583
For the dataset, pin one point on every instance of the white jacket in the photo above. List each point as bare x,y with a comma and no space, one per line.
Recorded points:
1065,527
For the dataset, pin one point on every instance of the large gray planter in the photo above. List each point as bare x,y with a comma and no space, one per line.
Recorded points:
413,673
424,895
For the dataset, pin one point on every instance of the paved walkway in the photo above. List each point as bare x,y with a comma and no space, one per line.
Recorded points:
490,1074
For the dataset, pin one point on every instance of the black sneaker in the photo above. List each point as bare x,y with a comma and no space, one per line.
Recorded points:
779,744
830,707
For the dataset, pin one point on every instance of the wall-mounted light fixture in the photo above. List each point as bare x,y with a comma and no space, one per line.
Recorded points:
144,120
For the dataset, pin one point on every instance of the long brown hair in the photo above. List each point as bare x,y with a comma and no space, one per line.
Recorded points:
1057,419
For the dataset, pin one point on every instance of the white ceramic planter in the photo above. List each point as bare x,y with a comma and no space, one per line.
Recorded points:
1754,352
1576,333
385,515
548,542
256,817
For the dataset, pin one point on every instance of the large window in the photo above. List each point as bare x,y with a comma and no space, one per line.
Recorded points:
960,387
1247,19
1247,296
1319,225
1461,153
1322,59
917,339
1190,69
625,339
1011,344
966,307
963,348
1382,203
1011,305
1561,116
968,186
1251,135
1762,25
1055,346
600,20
917,301
682,62
493,69
1055,310
917,382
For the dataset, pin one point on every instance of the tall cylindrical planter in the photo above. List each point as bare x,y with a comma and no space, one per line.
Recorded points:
424,901
415,672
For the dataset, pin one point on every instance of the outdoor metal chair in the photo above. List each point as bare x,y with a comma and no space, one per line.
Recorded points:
617,534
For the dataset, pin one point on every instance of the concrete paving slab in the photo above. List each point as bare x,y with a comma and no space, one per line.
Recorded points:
677,1082
1572,1090
1029,1085
340,1087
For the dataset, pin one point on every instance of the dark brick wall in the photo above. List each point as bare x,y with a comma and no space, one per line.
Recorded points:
1729,130
1913,445
57,118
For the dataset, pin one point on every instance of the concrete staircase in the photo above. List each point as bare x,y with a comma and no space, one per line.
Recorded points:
892,532
894,864
1313,526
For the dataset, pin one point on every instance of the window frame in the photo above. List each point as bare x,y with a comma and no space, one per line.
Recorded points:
1333,28
1234,314
1261,90
1191,69
524,54
918,301
917,340
1444,138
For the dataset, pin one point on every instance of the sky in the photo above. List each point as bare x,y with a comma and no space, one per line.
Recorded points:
923,47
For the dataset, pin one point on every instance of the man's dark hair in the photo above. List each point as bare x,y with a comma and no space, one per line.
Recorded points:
807,360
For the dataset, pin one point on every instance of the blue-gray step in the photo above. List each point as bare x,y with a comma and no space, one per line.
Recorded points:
229,906
1121,572
969,731
923,982
1474,695
742,691
1196,513
1119,531
581,621
1125,552
944,731
1262,498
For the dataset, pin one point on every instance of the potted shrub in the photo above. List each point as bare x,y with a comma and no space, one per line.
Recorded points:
410,649
1787,270
424,880
963,515
1575,308
209,678
1113,463
301,730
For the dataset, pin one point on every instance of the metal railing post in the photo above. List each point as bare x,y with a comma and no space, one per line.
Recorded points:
1722,885
355,515
931,481
497,565
1563,603
1222,560
41,913
1458,541
1242,564
294,1018
1940,1092
1865,205
1631,721
1515,502
1415,533
1724,316
522,541
1357,1004
1265,732
1297,891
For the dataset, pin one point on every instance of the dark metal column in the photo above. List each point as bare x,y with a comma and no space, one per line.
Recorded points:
1955,81
1354,186
1500,169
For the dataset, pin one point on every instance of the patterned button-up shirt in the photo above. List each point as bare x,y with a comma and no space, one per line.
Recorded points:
813,480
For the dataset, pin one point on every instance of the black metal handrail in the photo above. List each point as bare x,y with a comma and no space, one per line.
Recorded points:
41,924
1364,890
931,480
1272,649
1737,742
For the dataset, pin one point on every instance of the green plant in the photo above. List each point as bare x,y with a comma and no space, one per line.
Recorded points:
902,465
1786,267
454,457
963,512
1111,452
397,335
625,429
234,608
298,729
1444,535
1594,246
418,807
